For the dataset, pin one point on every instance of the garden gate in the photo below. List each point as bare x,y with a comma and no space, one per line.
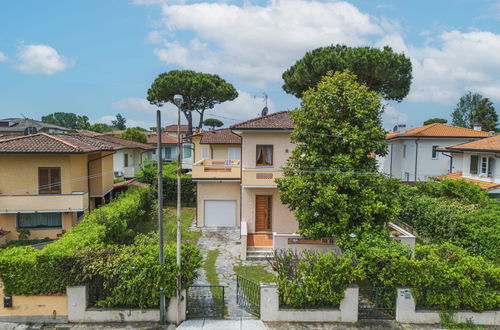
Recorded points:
248,295
205,301
377,303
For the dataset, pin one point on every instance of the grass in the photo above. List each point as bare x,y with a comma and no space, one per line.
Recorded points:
209,267
170,225
254,273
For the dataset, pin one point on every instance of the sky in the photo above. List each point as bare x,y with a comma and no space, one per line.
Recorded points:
98,58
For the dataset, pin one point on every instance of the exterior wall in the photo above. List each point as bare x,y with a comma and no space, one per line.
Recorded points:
135,159
404,167
217,191
8,222
173,154
282,149
280,242
103,169
283,220
215,151
270,310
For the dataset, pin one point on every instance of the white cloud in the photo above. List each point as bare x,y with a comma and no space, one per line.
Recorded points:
257,43
107,119
3,57
136,104
392,116
40,59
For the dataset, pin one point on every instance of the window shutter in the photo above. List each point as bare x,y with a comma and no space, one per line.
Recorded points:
474,160
43,180
55,178
491,167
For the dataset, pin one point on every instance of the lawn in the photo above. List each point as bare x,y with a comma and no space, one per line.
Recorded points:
255,273
170,225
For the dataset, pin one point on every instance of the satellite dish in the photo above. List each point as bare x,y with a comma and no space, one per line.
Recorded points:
264,111
30,130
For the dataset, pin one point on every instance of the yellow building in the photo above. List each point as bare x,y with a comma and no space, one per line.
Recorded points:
47,181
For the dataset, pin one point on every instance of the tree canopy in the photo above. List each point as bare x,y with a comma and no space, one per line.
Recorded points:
201,91
473,107
134,134
213,123
330,181
383,71
101,127
435,120
67,119
119,122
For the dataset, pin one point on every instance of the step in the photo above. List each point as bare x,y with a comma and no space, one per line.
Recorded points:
266,249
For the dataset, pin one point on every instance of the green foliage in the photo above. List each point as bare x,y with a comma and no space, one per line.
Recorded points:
67,119
132,276
100,128
201,91
26,242
119,122
134,134
148,174
314,279
330,181
473,107
209,265
23,234
435,120
383,71
460,190
254,273
213,123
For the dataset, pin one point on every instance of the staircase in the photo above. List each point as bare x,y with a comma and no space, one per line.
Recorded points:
259,252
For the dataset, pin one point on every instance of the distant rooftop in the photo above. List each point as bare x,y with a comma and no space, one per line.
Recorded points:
18,125
439,131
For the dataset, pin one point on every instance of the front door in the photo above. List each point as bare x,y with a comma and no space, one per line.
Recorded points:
263,213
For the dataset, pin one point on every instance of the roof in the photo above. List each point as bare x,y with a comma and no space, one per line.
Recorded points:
489,144
20,124
173,128
130,183
439,131
56,143
277,120
127,144
458,176
165,139
219,136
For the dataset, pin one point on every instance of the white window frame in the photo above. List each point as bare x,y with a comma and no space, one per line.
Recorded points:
486,169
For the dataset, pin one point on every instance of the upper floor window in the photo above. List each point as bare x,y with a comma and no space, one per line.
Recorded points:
404,150
49,180
186,151
264,155
434,152
125,160
481,165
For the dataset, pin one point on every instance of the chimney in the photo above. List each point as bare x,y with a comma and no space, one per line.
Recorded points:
476,126
491,133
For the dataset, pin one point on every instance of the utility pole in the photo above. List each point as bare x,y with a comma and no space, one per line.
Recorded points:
159,165
178,99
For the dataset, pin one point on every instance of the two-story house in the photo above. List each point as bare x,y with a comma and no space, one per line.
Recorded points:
47,181
414,156
478,162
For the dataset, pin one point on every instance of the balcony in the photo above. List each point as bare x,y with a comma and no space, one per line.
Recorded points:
260,177
216,169
74,202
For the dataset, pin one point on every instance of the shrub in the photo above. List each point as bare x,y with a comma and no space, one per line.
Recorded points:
461,190
314,279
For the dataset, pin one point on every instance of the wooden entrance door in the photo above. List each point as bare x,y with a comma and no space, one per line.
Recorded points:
263,213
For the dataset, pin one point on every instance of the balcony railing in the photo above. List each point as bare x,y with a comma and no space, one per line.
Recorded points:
74,202
216,169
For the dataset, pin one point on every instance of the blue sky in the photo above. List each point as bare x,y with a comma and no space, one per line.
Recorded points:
98,58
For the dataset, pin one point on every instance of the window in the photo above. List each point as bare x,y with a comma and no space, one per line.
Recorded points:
264,155
491,162
168,153
204,153
49,180
39,220
486,164
234,153
125,160
474,160
404,151
186,151
434,152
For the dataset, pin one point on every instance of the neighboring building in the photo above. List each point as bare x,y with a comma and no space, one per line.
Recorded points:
169,147
478,162
22,126
172,130
414,156
47,181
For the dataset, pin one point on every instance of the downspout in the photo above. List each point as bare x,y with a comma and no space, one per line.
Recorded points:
88,173
416,158
390,163
451,160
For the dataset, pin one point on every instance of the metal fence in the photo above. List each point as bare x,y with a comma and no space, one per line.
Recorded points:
377,303
248,295
205,301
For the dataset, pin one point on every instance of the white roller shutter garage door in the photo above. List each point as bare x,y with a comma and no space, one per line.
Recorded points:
220,213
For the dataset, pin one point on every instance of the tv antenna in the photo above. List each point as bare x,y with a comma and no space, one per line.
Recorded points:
265,110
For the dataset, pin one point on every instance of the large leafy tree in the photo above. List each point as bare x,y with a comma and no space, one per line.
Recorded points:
101,127
119,122
383,71
473,107
201,91
435,121
67,119
213,123
134,134
330,181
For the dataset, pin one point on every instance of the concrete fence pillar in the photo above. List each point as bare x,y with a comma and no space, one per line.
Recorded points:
243,240
349,305
173,310
269,301
77,303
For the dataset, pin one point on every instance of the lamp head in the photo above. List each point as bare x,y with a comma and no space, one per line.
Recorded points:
178,100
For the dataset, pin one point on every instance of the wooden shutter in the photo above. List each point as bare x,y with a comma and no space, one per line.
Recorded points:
474,160
43,181
55,180
49,180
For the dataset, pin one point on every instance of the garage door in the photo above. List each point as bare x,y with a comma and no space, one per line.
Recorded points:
220,213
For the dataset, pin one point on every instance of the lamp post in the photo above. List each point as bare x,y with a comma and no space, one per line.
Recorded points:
160,209
179,101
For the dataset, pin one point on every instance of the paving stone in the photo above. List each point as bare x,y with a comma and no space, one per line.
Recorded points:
191,325
222,325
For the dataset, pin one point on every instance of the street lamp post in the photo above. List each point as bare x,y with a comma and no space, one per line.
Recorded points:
179,101
159,164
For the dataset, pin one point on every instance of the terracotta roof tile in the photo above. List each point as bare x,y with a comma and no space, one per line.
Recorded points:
219,136
173,128
488,144
458,176
165,139
277,120
439,130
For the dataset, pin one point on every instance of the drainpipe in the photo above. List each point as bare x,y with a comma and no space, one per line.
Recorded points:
88,173
390,163
451,160
416,158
